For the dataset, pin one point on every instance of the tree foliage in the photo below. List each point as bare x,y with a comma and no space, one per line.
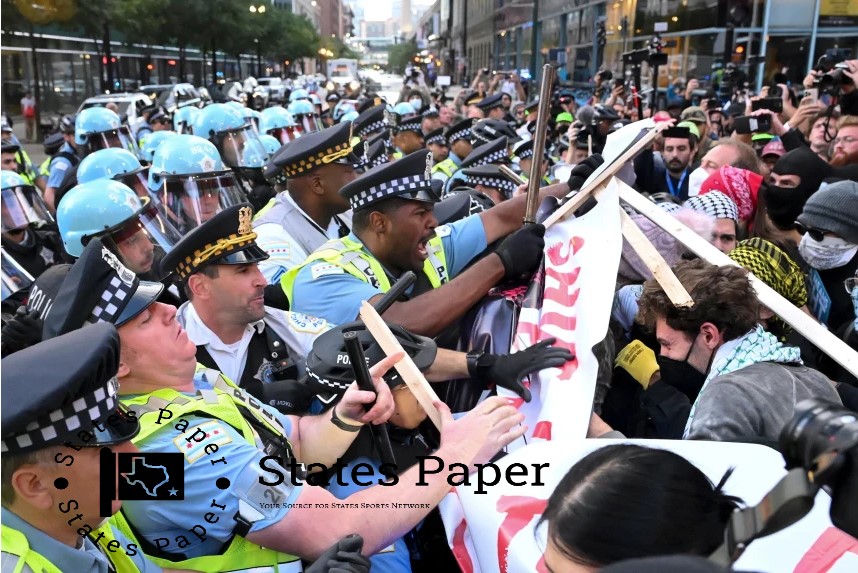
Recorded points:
400,55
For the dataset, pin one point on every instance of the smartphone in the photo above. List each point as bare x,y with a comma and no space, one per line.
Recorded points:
774,104
752,124
812,93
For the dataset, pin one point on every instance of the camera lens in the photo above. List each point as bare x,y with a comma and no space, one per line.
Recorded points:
817,428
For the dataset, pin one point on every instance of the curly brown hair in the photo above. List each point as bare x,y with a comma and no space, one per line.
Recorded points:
722,295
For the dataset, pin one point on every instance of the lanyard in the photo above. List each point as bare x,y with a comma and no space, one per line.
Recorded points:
675,191
342,231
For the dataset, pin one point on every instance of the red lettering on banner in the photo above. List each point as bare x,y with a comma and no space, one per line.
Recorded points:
542,430
460,550
519,510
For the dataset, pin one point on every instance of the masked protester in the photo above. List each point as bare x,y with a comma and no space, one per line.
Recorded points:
829,244
794,178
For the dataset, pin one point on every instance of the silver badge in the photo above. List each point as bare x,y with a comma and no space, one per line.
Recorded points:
429,163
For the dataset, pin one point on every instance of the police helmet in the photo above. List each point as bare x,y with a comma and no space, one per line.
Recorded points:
152,141
298,94
271,144
279,123
183,119
21,203
117,164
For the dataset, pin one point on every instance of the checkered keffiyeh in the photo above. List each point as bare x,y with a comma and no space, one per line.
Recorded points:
774,267
81,413
390,188
715,204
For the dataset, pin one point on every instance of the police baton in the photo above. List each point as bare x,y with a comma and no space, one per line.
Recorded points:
542,118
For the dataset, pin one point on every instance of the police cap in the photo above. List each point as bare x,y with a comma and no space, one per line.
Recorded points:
490,176
370,122
490,102
461,130
435,136
225,239
406,178
313,150
491,152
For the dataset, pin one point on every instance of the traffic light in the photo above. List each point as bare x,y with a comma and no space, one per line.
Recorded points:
601,34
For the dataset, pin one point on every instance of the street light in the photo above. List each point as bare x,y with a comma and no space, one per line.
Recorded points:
257,9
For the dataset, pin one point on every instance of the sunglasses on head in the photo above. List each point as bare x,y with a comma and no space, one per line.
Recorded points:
815,234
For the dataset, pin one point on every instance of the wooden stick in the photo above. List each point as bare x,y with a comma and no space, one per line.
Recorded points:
539,144
412,376
654,262
569,207
820,336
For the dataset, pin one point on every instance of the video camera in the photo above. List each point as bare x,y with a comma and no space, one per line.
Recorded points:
820,447
832,64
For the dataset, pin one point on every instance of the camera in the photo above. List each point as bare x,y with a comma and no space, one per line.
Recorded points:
822,438
832,64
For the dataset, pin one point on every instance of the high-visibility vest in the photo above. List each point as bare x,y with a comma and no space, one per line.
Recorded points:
447,167
349,255
227,403
15,543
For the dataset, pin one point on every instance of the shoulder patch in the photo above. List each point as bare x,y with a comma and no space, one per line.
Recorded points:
306,323
61,165
322,269
443,230
194,441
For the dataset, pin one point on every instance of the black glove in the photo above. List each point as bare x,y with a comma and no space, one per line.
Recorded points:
507,370
23,330
521,252
583,170
343,557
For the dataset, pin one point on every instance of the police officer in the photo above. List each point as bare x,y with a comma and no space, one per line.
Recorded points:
310,211
370,122
524,152
494,152
280,124
261,348
489,180
229,519
305,115
152,142
53,432
23,165
492,107
117,164
458,139
183,119
28,233
437,144
239,147
130,226
189,183
407,130
157,119
394,230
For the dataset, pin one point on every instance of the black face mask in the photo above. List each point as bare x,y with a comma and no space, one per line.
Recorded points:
682,375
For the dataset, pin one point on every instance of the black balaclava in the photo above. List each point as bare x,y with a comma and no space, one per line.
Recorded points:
784,204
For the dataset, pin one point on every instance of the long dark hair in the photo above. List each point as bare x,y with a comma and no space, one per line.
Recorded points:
627,501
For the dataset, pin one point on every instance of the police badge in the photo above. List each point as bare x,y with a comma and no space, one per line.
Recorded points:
245,216
429,163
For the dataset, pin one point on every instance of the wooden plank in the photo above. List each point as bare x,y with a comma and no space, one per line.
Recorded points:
817,334
412,376
654,262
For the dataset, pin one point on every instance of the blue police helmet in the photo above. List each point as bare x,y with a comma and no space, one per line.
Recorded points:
183,118
301,107
183,155
252,117
314,99
91,208
349,116
107,164
271,144
298,94
94,120
342,108
10,179
217,118
275,118
153,141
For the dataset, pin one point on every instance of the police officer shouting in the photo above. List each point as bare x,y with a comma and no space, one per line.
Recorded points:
395,230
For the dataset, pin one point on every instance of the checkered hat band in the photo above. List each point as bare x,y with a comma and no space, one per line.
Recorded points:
81,413
371,128
390,188
338,387
494,182
112,301
479,139
525,154
462,134
439,139
492,157
410,125
313,161
380,160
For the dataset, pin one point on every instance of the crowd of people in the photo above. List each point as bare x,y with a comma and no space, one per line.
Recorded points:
184,285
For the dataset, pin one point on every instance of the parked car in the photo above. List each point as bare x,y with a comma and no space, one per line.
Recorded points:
172,96
273,89
131,106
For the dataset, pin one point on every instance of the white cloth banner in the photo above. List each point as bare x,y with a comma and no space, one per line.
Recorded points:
499,535
581,260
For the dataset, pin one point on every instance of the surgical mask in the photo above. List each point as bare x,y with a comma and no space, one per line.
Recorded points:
681,374
829,253
416,103
695,181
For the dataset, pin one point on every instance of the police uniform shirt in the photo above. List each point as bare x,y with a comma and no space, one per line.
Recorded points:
287,248
297,331
452,160
59,166
168,520
88,558
327,291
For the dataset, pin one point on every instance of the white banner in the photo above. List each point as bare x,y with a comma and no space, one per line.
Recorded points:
581,260
494,532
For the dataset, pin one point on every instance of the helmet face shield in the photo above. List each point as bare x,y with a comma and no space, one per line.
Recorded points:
22,206
142,241
309,123
191,200
120,138
14,277
242,148
137,181
285,134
